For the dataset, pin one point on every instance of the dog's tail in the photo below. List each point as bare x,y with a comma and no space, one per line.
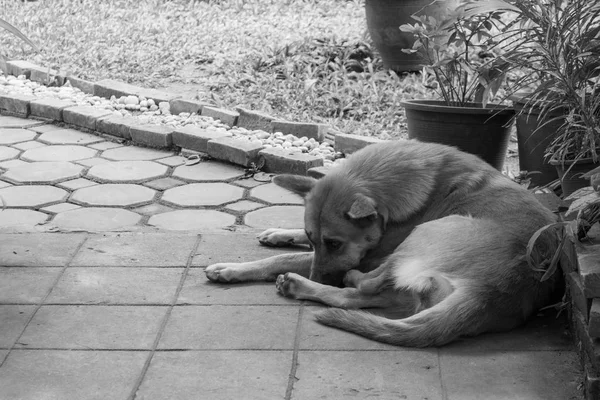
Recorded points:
456,315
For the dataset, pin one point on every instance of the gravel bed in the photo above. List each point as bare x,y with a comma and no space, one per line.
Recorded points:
147,111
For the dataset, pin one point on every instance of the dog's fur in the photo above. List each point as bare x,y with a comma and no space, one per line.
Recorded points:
402,217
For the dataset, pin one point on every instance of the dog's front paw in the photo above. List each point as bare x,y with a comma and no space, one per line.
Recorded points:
224,272
276,237
289,284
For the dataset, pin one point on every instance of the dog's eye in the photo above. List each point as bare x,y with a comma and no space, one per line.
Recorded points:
332,244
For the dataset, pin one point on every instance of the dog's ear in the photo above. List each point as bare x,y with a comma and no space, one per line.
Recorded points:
295,183
363,209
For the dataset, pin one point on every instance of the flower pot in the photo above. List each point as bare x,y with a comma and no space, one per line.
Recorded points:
570,175
533,138
481,131
384,18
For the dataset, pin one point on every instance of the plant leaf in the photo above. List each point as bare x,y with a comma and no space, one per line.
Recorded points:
5,25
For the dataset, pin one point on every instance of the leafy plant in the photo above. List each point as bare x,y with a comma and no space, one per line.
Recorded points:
461,51
556,43
15,32
565,235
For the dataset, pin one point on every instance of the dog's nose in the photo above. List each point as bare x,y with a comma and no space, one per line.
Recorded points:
329,278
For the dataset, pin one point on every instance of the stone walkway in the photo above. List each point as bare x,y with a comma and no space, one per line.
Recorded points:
103,294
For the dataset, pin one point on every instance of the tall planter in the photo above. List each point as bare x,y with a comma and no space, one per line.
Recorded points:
484,132
534,135
384,18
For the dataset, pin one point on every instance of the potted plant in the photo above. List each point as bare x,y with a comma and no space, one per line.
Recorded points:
383,19
468,73
556,43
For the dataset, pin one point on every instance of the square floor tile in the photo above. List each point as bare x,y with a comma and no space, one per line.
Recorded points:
12,321
136,250
112,285
70,375
26,285
544,332
197,289
235,247
216,375
527,375
316,336
93,327
230,327
368,374
38,249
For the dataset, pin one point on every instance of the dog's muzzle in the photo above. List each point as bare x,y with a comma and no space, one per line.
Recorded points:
329,278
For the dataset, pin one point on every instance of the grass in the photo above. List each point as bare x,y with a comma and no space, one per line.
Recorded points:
302,60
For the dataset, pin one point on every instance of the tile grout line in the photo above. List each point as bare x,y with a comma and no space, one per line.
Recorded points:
164,321
292,376
442,386
43,300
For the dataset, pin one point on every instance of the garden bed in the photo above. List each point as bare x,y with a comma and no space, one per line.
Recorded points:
163,120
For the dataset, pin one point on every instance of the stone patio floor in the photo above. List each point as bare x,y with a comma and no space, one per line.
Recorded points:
103,294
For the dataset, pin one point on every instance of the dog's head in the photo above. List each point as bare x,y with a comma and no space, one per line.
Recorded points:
341,222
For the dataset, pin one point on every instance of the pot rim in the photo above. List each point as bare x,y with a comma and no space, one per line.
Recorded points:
441,106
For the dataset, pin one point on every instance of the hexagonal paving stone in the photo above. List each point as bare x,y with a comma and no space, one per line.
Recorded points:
69,136
60,207
207,171
90,162
244,205
105,145
43,172
58,153
32,195
97,219
288,217
21,218
203,194
173,161
77,184
10,164
274,194
191,220
128,171
7,121
6,153
31,144
10,136
113,194
131,153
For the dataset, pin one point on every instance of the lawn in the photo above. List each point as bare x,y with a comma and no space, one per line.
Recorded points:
299,60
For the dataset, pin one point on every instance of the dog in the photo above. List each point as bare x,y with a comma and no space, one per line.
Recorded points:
407,221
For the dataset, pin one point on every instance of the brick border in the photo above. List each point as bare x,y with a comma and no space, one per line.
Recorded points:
213,142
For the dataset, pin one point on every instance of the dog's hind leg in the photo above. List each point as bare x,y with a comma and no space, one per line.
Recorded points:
371,282
461,313
301,288
267,269
283,237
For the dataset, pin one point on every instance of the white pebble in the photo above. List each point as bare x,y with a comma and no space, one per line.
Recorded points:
131,100
263,135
